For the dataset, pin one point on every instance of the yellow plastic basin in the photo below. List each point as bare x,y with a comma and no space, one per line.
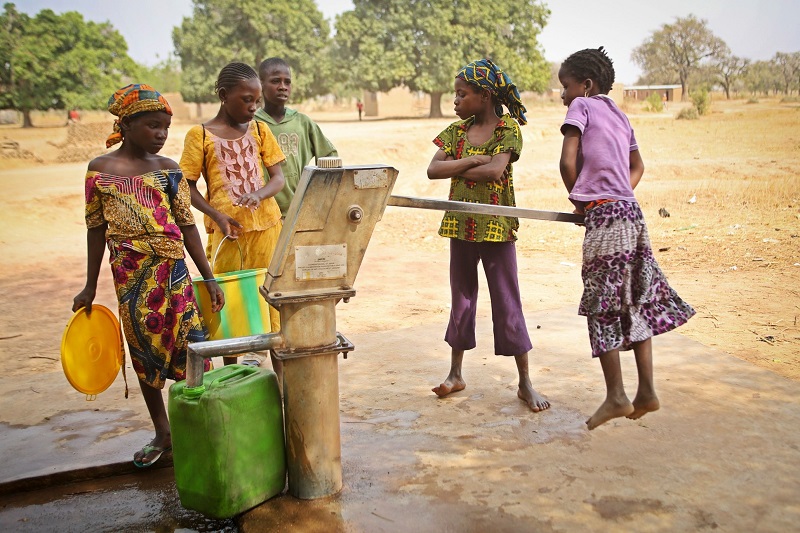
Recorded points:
91,350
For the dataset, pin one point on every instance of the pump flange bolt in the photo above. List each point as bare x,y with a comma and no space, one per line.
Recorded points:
355,214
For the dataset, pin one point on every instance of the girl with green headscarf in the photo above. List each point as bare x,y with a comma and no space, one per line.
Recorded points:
476,153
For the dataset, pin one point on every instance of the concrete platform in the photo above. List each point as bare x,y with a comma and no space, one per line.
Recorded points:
721,453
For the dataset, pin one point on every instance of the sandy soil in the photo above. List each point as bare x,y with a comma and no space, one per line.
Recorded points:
730,247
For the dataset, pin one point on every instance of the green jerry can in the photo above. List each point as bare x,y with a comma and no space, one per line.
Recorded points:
227,440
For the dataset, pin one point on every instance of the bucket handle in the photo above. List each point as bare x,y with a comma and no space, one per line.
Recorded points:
241,256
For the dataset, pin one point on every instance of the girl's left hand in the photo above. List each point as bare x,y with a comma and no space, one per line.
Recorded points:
84,299
216,295
249,200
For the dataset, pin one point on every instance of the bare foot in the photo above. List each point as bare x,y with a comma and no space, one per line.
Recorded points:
643,405
449,385
535,401
610,409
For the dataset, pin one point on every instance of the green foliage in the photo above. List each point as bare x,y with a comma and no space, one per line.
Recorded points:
677,50
53,61
762,77
165,76
421,44
789,67
701,101
221,31
728,69
688,113
653,103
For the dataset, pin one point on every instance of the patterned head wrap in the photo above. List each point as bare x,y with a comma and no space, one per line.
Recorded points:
486,75
132,99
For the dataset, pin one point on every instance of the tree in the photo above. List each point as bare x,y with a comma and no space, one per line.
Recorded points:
221,31
11,25
789,68
421,44
762,77
55,61
729,69
164,76
676,50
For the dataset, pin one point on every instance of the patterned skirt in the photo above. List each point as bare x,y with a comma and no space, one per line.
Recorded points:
158,312
626,297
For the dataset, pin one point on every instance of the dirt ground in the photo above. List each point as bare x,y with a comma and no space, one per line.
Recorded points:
730,246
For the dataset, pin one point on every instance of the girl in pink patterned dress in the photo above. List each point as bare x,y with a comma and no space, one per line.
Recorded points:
228,151
138,204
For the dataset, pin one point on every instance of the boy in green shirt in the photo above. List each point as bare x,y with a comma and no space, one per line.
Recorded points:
299,137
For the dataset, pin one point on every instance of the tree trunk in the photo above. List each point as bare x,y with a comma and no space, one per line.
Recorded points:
684,92
436,107
684,76
26,118
199,109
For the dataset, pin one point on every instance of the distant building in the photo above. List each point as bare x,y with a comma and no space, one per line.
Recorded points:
641,92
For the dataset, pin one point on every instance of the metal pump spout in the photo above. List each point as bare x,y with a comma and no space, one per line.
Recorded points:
199,351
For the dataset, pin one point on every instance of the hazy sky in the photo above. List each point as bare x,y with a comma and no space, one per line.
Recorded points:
754,29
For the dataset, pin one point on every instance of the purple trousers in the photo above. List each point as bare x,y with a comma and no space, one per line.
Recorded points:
500,265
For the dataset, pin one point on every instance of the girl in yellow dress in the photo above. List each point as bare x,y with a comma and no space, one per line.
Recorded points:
228,151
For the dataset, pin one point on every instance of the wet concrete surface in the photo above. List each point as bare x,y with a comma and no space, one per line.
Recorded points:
141,502
722,453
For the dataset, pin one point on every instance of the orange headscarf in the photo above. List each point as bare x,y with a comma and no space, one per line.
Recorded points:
132,99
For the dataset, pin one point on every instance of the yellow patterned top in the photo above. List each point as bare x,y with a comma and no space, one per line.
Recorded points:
468,226
231,168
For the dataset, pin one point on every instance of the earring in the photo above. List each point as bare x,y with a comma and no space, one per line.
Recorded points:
586,93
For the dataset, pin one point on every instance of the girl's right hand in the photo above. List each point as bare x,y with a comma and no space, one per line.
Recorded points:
229,226
84,299
579,211
216,295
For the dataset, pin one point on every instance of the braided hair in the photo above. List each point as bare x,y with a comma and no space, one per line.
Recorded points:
231,74
592,64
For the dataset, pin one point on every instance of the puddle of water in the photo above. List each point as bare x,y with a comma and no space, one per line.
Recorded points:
141,502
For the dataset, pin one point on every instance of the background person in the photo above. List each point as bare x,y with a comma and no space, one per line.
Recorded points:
299,137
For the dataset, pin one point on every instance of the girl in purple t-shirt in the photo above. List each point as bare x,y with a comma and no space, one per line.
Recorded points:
626,297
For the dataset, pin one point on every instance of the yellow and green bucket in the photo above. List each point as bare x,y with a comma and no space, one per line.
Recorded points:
245,312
